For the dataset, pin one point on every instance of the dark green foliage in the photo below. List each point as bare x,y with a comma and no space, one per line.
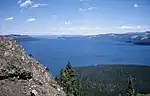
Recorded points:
30,55
131,88
47,69
57,80
69,81
143,94
112,80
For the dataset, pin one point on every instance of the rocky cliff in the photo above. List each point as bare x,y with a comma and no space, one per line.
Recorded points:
22,75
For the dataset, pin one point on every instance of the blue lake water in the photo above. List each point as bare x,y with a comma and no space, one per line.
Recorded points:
55,53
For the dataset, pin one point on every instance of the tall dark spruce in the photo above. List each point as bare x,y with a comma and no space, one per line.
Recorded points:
131,89
69,81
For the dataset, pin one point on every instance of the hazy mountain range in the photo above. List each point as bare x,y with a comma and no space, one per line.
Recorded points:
21,37
142,38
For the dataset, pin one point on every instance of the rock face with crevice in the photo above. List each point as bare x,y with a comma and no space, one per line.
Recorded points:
22,75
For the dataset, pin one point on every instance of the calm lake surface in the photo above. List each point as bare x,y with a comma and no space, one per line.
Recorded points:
55,53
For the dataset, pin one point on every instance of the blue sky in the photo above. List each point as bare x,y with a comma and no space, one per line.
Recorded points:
73,17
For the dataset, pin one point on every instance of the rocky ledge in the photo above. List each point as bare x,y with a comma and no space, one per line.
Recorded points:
22,75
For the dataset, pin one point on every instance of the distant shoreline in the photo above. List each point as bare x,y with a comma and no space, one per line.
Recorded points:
115,65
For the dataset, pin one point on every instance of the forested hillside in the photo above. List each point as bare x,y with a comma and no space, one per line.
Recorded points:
112,80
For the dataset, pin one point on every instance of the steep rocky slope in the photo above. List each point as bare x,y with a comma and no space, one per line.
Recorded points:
22,75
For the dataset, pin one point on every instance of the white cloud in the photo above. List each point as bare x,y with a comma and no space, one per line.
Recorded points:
26,3
125,27
83,0
136,5
68,23
38,5
20,1
92,8
138,27
87,9
77,30
31,19
54,16
30,4
10,18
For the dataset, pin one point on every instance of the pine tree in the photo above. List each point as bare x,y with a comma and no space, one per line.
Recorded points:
69,81
47,69
57,80
63,79
131,89
30,55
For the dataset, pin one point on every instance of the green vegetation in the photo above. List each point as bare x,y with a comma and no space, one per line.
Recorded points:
69,81
143,94
47,69
113,80
30,55
105,80
131,90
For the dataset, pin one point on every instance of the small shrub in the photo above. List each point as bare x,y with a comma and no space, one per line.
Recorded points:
30,55
57,79
47,69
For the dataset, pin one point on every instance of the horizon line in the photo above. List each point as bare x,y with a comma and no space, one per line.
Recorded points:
73,34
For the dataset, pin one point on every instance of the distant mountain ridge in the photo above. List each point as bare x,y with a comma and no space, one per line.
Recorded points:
141,38
21,37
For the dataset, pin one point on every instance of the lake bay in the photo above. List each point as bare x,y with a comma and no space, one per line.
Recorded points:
55,53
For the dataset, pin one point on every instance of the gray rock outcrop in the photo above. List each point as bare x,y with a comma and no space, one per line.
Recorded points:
22,75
